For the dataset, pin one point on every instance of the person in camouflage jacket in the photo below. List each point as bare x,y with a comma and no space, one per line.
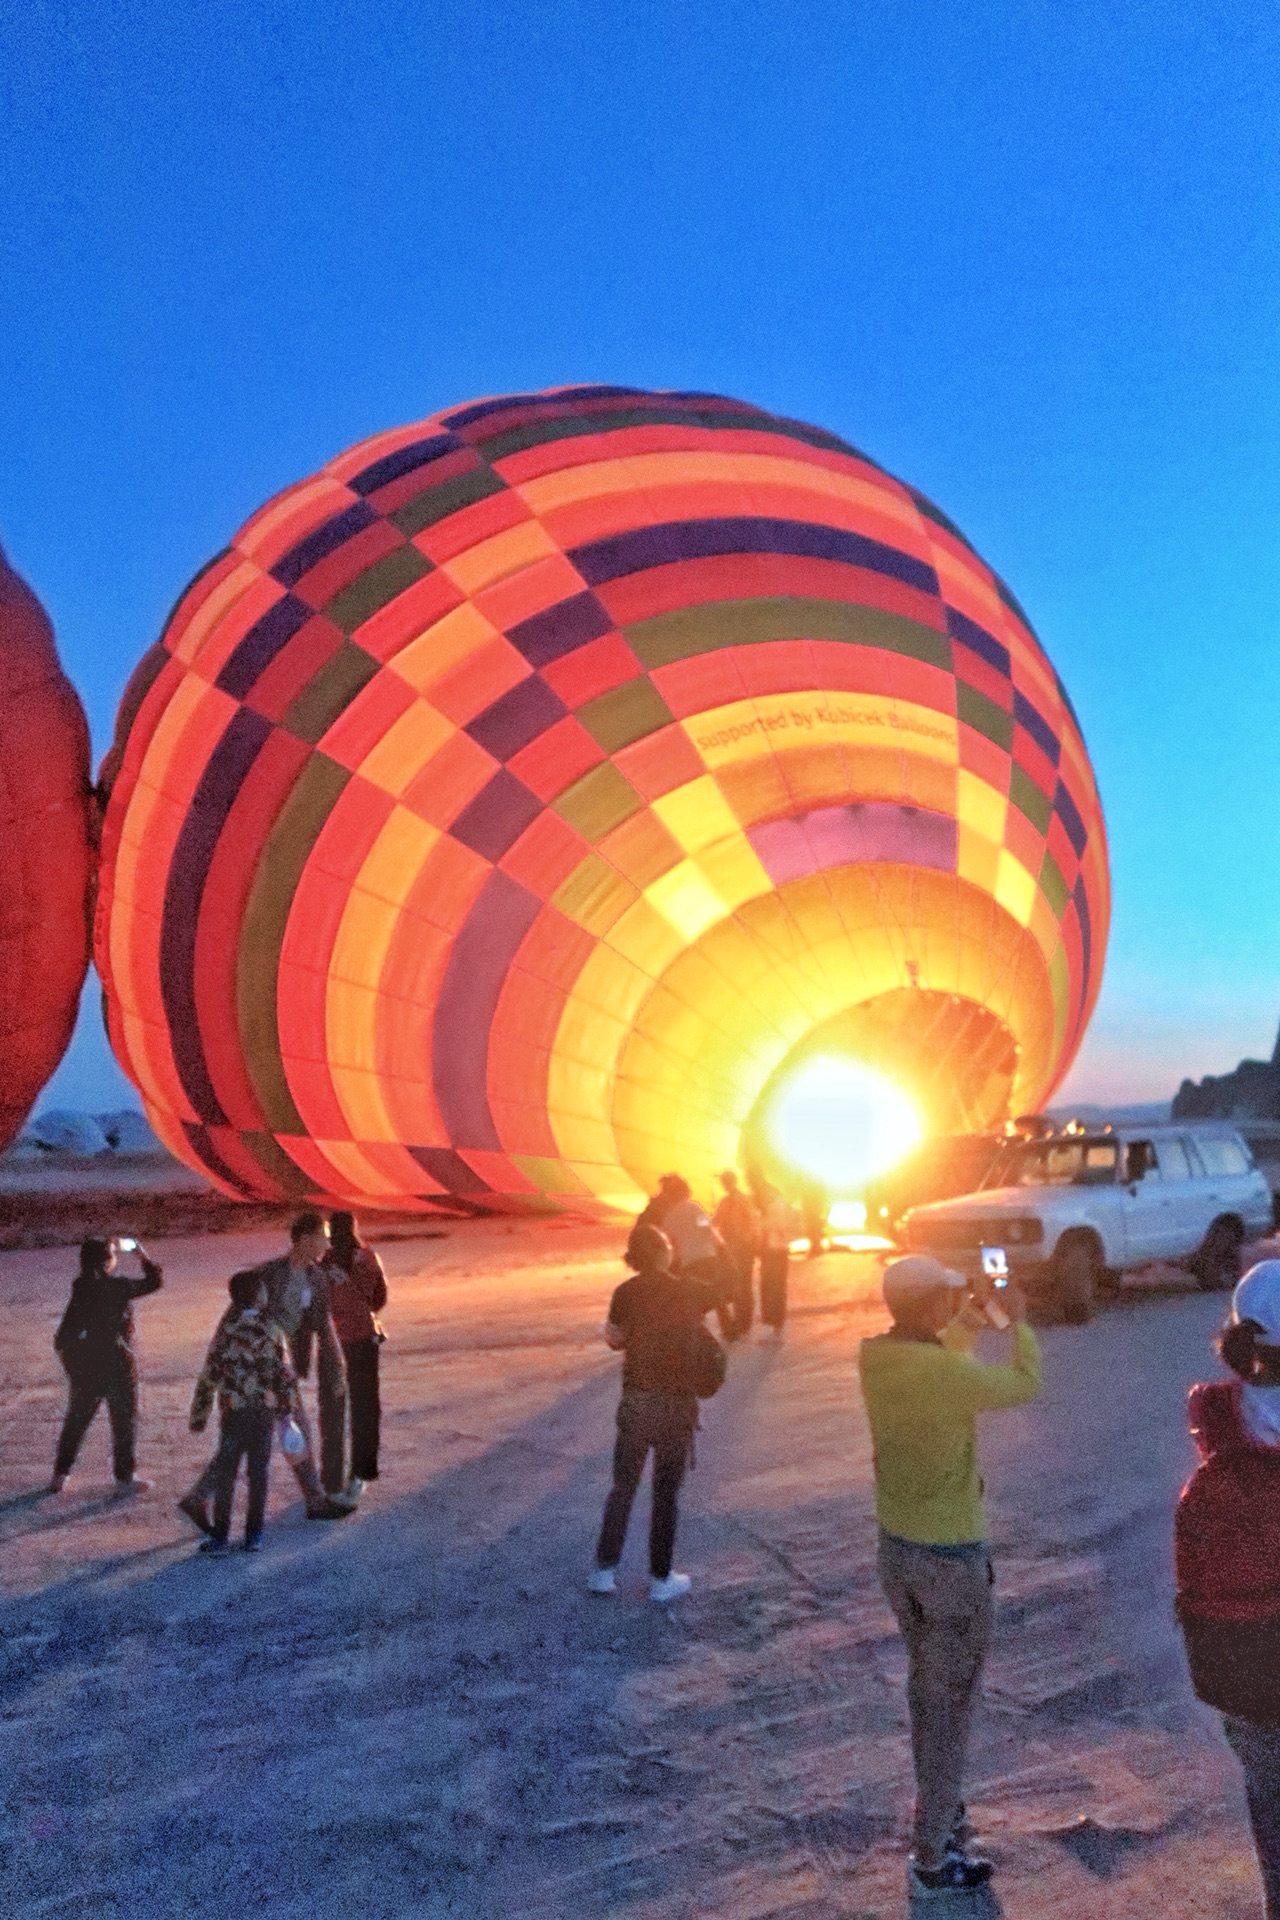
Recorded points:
249,1372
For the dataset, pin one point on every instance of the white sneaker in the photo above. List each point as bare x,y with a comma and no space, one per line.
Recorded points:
602,1580
126,1489
671,1588
355,1486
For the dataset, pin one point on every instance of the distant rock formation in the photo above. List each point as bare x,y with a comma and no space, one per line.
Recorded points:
1252,1092
86,1135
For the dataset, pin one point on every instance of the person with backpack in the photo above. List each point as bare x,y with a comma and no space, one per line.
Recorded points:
357,1293
669,1362
1227,1554
923,1391
247,1371
94,1342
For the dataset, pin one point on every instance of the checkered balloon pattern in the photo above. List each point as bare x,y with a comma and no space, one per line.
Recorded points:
512,801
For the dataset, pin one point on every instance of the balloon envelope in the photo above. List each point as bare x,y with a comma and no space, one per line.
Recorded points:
44,840
514,800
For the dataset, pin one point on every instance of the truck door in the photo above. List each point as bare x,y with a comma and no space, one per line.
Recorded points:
1149,1231
1184,1196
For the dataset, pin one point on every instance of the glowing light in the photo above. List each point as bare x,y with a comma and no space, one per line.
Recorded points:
840,1122
847,1216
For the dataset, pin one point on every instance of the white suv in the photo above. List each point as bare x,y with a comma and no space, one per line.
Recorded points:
1076,1209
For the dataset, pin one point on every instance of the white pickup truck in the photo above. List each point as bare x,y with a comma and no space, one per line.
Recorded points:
1076,1209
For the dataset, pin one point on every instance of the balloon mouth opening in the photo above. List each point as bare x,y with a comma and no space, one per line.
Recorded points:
835,1121
862,1091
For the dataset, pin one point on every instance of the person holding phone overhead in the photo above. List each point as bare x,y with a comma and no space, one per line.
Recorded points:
94,1342
923,1391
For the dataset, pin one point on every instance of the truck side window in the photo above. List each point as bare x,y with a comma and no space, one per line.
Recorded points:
1222,1155
1139,1160
1174,1164
1099,1164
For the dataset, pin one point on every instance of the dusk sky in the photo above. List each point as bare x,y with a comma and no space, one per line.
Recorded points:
1025,257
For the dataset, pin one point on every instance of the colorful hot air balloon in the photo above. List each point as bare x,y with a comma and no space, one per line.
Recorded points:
512,802
44,852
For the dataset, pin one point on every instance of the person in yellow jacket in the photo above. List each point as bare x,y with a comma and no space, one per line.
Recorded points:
923,1390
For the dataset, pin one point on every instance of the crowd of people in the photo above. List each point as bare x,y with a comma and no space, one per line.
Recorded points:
923,1388
722,1249
318,1301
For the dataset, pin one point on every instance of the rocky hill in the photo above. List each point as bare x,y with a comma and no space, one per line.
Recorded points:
1252,1092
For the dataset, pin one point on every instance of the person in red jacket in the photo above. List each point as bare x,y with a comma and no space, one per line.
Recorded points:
1227,1554
357,1291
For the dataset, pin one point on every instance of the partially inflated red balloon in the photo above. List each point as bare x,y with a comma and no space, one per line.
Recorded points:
45,852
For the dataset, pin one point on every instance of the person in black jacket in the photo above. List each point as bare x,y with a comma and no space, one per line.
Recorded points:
653,1320
94,1342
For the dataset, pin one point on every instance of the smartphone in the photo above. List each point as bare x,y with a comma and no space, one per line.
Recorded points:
995,1268
126,1244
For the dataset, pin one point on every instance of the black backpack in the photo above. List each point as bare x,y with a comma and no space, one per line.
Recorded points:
708,1363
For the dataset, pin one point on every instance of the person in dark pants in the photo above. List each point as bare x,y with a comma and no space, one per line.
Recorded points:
1227,1555
358,1291
738,1225
298,1303
817,1207
777,1228
94,1342
652,1320
248,1370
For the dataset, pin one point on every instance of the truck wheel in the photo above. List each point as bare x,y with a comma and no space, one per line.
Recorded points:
1217,1265
1077,1268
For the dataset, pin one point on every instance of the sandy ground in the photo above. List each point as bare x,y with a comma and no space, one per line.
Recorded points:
420,1712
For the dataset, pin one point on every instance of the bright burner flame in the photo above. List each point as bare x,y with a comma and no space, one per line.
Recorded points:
839,1122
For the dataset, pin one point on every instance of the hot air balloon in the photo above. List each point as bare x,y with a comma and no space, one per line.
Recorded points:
516,803
44,852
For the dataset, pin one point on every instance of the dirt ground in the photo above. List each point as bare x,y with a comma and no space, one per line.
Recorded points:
420,1712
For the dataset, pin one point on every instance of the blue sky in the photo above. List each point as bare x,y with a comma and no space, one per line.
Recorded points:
1025,255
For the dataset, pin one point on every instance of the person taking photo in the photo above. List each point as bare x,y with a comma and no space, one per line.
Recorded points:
923,1390
94,1342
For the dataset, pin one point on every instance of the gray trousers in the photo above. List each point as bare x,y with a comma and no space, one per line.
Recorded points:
1257,1748
942,1604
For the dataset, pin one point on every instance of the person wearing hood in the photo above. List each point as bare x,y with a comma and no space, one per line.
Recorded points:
1227,1554
923,1391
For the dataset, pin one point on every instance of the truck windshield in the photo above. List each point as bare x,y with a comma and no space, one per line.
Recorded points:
1065,1163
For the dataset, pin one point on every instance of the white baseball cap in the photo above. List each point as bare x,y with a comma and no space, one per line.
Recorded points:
918,1273
1258,1298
